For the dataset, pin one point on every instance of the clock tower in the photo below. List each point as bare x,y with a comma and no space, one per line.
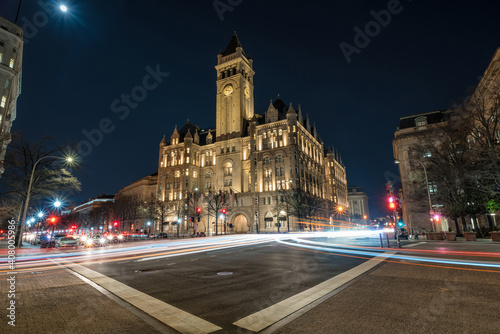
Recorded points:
235,102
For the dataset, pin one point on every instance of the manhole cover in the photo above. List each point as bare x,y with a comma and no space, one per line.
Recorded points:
146,271
224,273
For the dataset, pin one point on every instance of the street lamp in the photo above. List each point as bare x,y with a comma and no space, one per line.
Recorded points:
28,194
428,190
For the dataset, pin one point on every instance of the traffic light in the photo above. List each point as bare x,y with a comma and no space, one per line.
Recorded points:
224,211
437,218
115,224
73,227
52,220
198,211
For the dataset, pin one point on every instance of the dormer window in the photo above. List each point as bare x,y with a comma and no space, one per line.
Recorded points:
420,121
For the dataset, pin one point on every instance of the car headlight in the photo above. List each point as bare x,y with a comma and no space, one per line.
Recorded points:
83,238
102,240
110,237
120,237
89,242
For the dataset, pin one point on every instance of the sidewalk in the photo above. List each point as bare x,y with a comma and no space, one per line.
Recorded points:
409,297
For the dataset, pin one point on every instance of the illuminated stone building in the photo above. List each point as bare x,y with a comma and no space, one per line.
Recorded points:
252,157
11,60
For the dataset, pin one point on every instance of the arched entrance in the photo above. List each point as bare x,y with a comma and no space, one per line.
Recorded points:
240,224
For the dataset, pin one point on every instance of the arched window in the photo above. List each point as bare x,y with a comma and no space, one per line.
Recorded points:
228,169
280,132
177,173
279,158
267,160
208,175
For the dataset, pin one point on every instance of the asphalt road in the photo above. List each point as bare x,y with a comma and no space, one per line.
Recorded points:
261,276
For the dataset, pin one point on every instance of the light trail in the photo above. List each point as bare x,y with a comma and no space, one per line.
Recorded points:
113,255
324,247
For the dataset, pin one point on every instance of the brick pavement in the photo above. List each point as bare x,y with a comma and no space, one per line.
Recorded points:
407,298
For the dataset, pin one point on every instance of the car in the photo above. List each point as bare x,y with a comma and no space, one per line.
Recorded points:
46,241
66,242
163,235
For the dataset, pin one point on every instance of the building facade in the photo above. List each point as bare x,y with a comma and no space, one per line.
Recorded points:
358,205
247,160
416,129
11,61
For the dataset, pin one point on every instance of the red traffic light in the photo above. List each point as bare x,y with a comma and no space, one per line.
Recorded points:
115,224
391,199
392,205
52,219
224,211
73,227
198,210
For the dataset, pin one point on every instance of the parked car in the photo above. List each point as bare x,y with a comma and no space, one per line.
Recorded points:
163,235
66,242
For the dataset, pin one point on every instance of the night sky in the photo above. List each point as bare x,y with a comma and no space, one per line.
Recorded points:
76,64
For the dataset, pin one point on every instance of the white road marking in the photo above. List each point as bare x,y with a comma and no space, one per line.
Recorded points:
272,314
170,264
413,245
178,319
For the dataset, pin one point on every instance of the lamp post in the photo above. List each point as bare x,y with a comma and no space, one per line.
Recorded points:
428,189
28,194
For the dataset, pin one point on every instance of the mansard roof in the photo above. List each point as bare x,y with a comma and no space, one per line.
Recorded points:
233,44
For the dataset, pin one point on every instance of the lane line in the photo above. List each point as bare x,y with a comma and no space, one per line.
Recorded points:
413,245
178,319
274,313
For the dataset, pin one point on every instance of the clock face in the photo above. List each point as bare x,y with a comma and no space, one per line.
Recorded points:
228,90
247,93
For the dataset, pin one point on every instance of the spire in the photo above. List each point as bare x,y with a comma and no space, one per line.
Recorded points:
290,109
188,134
196,137
299,116
174,139
233,44
308,124
315,133
163,141
209,137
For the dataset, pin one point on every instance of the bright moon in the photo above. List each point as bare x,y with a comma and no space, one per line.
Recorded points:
63,8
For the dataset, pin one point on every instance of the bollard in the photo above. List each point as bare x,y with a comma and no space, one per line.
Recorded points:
381,241
387,237
399,242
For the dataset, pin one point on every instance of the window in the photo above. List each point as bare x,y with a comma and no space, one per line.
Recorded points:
222,150
208,175
168,185
228,169
280,132
421,121
432,188
267,160
269,223
427,154
177,173
234,149
4,101
11,64
268,173
195,174
279,158
1,56
227,149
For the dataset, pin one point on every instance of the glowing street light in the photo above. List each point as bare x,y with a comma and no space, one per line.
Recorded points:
57,203
40,214
63,8
67,159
